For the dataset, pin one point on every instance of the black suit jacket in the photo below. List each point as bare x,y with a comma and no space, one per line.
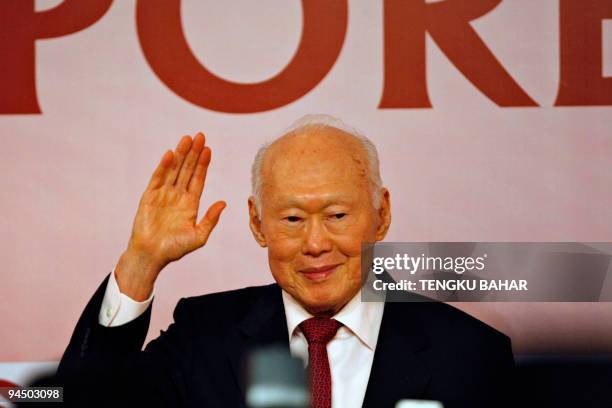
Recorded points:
425,350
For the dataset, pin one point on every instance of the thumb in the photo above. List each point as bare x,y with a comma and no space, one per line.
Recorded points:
209,221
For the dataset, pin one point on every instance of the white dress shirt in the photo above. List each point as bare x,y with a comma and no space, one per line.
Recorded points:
350,352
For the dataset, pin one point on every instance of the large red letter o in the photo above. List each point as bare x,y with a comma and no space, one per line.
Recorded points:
166,49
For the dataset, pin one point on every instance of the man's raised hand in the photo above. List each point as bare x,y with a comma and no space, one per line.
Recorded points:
166,226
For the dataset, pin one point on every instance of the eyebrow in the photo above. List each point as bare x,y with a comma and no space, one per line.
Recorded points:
326,201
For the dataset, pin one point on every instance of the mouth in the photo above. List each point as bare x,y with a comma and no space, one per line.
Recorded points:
318,273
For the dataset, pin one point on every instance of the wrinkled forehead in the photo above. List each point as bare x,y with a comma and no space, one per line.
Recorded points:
314,158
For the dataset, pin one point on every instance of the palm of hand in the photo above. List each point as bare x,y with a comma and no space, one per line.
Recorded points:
165,227
166,224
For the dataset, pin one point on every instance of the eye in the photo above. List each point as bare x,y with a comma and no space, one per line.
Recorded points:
293,218
338,216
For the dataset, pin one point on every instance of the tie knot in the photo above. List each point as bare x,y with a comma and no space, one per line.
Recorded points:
319,329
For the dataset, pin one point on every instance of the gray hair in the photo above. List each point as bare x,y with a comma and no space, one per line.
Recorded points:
316,122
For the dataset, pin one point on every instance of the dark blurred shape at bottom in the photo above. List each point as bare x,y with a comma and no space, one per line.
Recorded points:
563,381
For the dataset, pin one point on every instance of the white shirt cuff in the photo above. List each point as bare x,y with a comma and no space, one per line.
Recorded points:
117,308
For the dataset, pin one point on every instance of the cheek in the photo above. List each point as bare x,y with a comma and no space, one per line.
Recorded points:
348,245
350,239
282,254
283,249
282,244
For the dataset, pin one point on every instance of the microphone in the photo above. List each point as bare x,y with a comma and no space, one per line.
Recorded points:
275,379
405,403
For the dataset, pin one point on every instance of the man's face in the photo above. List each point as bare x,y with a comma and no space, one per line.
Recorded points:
316,211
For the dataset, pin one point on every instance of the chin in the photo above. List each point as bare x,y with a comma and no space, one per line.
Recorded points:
321,309
322,303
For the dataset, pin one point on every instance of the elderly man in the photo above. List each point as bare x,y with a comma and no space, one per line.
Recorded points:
317,195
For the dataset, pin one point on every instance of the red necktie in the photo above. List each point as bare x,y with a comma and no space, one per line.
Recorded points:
318,332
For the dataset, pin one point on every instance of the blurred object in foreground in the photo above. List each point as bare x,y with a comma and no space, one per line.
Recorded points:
418,404
276,380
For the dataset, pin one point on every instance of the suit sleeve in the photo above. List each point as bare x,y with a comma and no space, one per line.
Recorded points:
107,364
117,308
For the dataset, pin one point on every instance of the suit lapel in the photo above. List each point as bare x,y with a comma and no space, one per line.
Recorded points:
263,325
398,371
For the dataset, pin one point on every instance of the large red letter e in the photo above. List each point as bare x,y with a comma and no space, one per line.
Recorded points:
582,82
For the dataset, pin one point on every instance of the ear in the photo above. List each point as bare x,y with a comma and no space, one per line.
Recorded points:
255,224
384,214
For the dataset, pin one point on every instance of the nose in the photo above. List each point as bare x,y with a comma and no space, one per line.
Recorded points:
316,239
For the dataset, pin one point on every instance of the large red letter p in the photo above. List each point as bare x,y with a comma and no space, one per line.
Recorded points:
20,27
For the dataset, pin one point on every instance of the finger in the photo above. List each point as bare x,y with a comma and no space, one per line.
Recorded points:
209,221
157,179
190,162
182,148
196,185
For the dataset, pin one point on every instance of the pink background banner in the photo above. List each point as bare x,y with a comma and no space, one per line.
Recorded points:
515,145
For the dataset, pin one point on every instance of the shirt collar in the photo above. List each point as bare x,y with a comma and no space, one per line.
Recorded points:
361,318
